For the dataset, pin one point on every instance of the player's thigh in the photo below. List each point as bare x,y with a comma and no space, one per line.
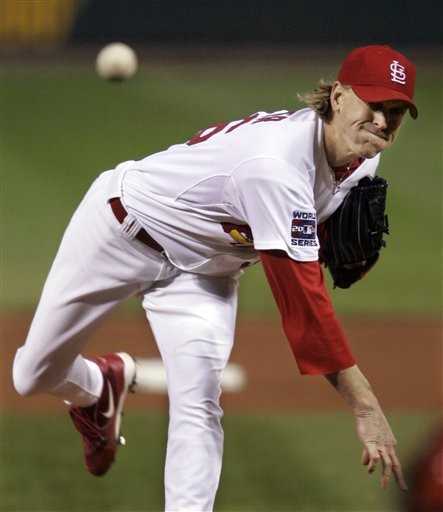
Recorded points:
193,321
95,268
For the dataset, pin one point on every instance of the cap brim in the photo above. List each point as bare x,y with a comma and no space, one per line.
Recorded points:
374,94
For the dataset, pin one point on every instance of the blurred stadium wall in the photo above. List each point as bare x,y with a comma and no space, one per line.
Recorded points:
36,23
280,21
32,23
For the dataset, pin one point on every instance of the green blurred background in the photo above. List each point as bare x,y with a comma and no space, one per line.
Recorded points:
60,125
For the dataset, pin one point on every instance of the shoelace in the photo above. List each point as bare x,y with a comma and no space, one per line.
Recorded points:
88,429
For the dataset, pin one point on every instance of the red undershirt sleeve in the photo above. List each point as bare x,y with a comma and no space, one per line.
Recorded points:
309,322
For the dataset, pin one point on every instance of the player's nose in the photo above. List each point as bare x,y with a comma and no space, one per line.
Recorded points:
380,120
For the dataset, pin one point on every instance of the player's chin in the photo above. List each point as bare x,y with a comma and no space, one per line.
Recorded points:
367,151
375,146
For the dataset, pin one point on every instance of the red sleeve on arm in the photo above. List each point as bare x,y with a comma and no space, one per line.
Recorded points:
309,322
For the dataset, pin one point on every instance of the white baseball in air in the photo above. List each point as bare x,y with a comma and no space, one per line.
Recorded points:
116,61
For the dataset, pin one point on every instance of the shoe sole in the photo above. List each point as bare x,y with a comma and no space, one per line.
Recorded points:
129,371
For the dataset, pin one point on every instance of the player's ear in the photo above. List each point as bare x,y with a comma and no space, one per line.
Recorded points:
336,97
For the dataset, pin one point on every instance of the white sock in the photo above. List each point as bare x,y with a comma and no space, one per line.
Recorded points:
88,392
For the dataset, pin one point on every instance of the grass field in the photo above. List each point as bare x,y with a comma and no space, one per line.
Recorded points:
272,463
61,126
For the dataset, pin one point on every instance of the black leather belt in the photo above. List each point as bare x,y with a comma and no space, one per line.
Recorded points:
143,236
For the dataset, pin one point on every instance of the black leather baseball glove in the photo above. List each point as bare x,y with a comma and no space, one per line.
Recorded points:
352,237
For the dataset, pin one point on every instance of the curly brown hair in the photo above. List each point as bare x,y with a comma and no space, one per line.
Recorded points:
319,99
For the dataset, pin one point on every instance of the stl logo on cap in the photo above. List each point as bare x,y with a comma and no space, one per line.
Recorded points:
398,73
380,73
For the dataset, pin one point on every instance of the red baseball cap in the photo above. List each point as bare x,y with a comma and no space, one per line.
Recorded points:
379,73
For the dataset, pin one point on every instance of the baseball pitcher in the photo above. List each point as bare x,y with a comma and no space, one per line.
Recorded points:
179,227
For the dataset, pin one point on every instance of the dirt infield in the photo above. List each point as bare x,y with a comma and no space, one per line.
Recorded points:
402,358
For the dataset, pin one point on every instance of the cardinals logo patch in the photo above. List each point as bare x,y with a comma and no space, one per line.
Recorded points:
304,229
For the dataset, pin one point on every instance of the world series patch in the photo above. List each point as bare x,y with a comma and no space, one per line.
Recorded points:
304,229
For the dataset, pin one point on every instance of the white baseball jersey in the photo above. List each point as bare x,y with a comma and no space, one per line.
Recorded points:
259,183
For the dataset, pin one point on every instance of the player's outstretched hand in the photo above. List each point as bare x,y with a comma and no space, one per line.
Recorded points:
372,426
379,445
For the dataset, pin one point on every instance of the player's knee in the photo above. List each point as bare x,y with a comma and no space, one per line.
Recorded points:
23,384
26,379
194,401
206,410
198,414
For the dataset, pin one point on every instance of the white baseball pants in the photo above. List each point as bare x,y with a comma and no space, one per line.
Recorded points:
99,264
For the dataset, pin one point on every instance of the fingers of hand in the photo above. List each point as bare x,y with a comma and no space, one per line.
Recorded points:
373,456
397,470
379,444
365,457
386,467
390,463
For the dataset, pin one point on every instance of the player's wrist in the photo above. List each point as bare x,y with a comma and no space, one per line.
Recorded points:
365,406
355,389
